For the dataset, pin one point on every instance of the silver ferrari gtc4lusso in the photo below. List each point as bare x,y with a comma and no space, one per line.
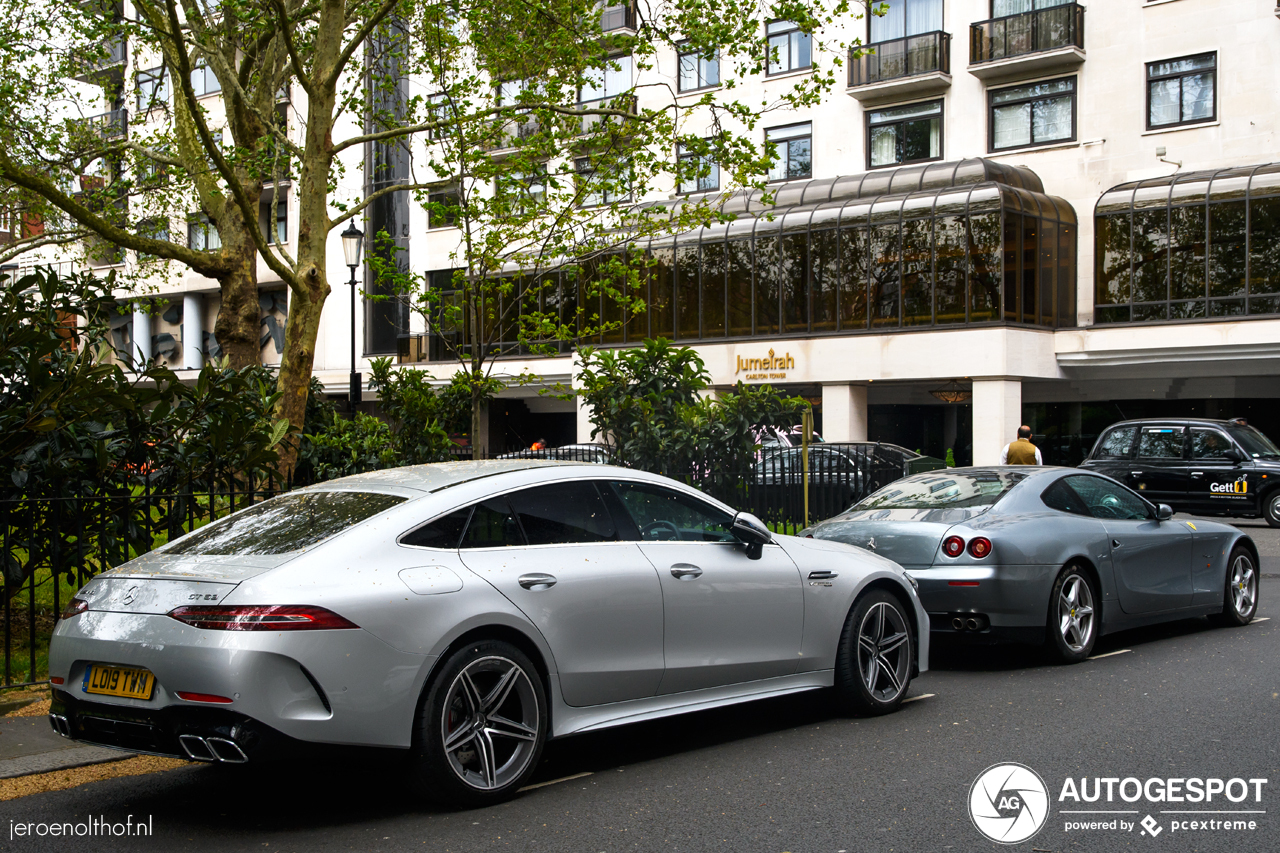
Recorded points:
466,612
1052,555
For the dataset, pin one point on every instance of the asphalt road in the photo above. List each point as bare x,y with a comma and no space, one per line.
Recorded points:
1182,700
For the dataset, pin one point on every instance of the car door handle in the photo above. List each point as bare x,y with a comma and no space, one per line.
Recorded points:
685,571
1115,543
537,582
1197,473
1135,473
822,576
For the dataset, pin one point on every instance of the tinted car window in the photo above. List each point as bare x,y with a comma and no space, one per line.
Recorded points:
492,526
1061,497
1209,444
943,491
1255,443
1160,442
663,514
1108,500
283,524
1115,444
444,532
562,513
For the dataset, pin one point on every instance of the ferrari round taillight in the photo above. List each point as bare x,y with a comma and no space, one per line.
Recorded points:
979,547
953,546
75,607
261,617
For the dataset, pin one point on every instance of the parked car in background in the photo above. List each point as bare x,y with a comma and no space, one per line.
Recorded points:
598,453
1053,555
1195,465
466,612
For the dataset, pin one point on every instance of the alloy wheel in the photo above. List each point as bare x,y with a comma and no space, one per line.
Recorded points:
1273,507
491,723
1244,585
884,651
1075,613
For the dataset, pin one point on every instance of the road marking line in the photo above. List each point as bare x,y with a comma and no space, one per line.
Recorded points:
918,698
553,782
1109,654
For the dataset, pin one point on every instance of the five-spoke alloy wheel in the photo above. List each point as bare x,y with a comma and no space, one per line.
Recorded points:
875,658
482,725
1271,512
1240,601
1073,616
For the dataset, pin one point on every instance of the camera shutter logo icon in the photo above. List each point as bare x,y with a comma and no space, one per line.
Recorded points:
1009,803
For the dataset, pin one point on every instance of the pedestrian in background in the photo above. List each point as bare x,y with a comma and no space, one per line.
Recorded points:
1022,451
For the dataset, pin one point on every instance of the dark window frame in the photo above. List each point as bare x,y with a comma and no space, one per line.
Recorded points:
790,69
906,24
699,58
942,130
153,84
1148,80
1034,143
790,177
682,154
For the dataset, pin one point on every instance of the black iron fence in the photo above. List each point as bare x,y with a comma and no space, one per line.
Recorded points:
905,57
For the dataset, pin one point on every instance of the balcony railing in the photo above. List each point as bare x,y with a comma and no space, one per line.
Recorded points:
621,17
912,56
112,125
1051,28
111,52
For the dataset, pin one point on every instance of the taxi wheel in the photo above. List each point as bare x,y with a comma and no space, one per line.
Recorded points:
1074,616
1272,511
481,726
1240,601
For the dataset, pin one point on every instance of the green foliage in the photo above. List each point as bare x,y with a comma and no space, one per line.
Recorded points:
349,446
951,458
645,403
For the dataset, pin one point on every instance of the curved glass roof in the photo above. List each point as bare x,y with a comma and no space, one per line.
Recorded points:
1239,182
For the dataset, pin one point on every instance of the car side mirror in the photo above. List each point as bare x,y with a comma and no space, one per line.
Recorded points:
753,533
1234,455
1164,512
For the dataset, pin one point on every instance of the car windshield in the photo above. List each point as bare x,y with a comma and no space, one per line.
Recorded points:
943,490
1254,443
284,524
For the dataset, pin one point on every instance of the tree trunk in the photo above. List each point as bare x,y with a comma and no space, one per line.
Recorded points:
294,381
238,327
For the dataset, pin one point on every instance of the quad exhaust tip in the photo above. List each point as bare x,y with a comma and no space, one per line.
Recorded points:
60,725
212,749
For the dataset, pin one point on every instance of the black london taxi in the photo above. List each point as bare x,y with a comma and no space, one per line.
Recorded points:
1196,465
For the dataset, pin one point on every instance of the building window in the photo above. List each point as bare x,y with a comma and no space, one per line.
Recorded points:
697,70
1181,91
443,208
600,187
155,229
202,235
1004,8
699,173
792,148
525,190
153,89
789,48
204,81
904,18
908,134
1033,115
439,109
609,82
280,233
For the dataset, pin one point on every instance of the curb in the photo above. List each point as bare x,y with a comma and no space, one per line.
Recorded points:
62,759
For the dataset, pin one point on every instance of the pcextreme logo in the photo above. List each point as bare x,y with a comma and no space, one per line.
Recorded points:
1009,803
1239,487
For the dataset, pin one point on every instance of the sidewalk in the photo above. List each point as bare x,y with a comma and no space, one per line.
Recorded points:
30,745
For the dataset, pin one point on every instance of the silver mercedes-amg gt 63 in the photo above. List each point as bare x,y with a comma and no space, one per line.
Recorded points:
1057,556
467,612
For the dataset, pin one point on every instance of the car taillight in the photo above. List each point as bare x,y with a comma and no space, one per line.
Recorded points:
203,697
953,546
979,547
75,607
261,617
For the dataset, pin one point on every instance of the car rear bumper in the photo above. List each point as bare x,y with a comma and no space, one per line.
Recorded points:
1011,603
336,686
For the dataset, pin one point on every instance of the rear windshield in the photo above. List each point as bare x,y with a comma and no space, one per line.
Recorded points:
284,524
1254,443
943,490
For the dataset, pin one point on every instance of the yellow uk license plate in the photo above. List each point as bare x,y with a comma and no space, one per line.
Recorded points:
123,681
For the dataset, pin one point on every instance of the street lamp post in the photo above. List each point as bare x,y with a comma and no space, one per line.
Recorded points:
352,242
